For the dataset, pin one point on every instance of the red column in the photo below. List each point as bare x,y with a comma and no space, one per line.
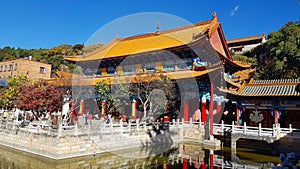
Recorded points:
219,107
73,113
133,109
237,116
166,165
103,109
186,111
203,166
275,116
211,114
184,164
50,109
211,159
203,111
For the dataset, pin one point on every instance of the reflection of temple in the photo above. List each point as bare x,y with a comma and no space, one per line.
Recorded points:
196,157
179,156
194,56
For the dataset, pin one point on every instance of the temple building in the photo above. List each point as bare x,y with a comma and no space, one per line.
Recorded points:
244,44
196,57
192,54
267,102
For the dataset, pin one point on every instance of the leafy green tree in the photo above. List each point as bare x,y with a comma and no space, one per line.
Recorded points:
117,96
91,48
11,91
244,59
154,93
7,53
53,56
279,57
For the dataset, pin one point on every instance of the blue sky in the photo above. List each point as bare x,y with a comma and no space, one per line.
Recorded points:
48,23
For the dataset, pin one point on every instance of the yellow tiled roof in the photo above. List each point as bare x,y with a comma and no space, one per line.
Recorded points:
150,42
62,74
248,38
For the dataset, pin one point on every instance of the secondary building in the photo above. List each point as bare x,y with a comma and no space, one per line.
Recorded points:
34,69
244,44
266,102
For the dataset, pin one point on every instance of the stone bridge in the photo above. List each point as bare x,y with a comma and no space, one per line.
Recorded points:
269,135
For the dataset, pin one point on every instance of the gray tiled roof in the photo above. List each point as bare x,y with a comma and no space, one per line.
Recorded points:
281,81
279,87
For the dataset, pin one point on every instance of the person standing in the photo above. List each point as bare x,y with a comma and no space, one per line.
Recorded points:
90,117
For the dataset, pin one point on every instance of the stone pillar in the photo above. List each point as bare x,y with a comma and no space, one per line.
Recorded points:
76,129
211,114
59,130
133,109
234,139
186,111
276,116
103,109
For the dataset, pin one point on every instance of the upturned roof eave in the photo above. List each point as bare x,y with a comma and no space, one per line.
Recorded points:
208,23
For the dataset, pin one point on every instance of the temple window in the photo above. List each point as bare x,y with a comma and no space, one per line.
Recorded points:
129,69
185,63
98,73
10,67
110,70
169,65
88,72
149,67
5,68
42,70
16,66
1,68
203,86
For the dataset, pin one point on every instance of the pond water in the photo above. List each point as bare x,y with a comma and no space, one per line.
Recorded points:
183,156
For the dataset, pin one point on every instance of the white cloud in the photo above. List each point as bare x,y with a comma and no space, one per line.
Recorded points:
234,10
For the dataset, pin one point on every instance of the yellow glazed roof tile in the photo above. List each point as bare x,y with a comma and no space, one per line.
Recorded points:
149,42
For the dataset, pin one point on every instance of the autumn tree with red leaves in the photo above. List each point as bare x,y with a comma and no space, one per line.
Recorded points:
40,97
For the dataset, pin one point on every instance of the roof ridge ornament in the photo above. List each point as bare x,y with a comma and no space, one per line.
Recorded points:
214,15
158,27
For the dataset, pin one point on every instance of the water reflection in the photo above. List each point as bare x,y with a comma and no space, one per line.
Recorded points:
184,156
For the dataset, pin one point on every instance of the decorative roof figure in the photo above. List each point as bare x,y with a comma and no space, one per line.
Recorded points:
158,27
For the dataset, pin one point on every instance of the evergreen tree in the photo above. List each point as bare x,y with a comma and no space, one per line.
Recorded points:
279,57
